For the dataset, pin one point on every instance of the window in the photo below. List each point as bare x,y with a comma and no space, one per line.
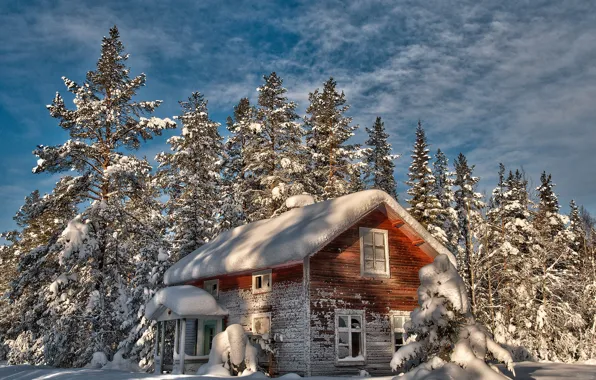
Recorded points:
261,281
209,331
349,337
374,253
398,331
212,287
261,323
190,337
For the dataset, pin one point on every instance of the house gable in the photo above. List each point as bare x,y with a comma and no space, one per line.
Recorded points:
336,284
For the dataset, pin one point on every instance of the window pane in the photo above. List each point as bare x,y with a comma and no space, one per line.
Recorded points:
399,339
261,325
369,265
380,266
379,239
368,252
380,253
343,321
214,288
398,322
355,322
356,344
344,338
367,238
258,282
343,352
266,281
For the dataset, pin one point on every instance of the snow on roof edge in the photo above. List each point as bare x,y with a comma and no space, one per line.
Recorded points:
184,301
292,236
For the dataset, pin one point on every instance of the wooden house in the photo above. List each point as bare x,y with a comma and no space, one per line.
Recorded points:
334,282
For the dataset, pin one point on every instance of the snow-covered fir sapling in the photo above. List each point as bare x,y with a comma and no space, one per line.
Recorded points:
449,342
232,354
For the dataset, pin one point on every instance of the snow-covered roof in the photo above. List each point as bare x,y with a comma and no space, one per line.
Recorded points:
294,235
183,301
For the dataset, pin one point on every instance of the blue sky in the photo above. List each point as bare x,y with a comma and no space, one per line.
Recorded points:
500,81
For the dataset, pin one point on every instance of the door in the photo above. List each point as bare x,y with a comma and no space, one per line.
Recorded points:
209,331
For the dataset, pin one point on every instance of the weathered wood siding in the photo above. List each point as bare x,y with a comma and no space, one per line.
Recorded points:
336,283
286,303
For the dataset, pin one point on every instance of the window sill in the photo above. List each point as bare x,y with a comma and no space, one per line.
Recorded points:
349,363
261,291
375,275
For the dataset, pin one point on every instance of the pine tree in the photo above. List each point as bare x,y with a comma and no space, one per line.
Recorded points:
424,205
190,176
443,191
278,163
555,273
91,294
576,226
41,219
468,205
379,159
240,183
328,130
516,287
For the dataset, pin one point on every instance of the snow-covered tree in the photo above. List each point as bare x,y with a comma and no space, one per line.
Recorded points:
447,217
468,205
89,298
379,159
449,343
424,205
150,253
278,163
513,252
239,182
328,132
41,220
556,269
190,176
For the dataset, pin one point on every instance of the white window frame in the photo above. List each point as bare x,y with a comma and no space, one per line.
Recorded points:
350,361
263,289
406,317
259,315
211,282
365,231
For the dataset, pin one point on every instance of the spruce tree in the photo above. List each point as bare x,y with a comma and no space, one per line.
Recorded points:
447,217
328,131
379,159
190,176
91,294
424,205
556,269
240,182
279,161
515,291
468,205
576,226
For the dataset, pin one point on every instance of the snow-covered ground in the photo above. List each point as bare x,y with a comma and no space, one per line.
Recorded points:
524,371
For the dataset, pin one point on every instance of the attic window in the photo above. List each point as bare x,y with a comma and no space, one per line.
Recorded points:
212,287
261,281
374,252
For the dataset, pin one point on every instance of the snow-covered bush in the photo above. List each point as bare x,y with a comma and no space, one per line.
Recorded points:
448,339
231,355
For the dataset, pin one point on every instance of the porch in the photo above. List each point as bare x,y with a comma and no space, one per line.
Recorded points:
197,317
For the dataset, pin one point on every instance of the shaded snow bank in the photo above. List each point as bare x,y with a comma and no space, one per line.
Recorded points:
524,371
